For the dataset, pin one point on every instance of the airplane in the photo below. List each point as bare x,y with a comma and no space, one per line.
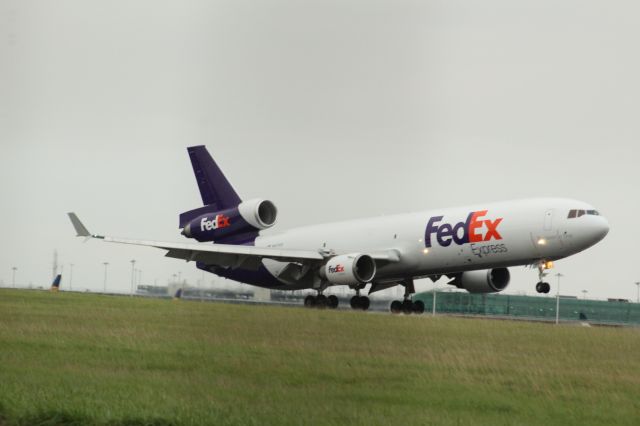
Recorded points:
473,246
55,285
178,294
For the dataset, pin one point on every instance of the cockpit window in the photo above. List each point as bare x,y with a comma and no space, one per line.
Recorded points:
577,213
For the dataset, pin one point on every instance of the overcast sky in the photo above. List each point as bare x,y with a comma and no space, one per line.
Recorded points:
332,109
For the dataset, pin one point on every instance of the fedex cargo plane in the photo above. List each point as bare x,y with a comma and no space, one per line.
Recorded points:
473,246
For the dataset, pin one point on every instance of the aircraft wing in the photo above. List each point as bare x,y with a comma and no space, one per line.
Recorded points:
224,255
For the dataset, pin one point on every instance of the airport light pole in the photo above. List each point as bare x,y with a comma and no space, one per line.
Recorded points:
433,308
638,297
106,264
559,275
133,271
202,288
584,294
13,277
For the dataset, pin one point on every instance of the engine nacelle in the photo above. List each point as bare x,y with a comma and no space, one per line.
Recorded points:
486,281
349,269
236,225
261,214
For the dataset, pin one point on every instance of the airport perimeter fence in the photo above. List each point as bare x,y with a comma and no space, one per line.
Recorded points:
542,308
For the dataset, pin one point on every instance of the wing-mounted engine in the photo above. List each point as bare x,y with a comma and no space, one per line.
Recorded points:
485,281
233,225
349,269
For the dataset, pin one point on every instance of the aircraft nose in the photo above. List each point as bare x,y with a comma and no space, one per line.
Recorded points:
600,228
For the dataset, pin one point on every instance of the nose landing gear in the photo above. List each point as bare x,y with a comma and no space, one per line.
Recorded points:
541,286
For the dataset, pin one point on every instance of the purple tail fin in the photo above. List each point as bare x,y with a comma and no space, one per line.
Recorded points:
215,189
221,219
178,294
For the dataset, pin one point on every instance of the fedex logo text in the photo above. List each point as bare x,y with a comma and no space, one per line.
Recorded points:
219,221
336,269
473,230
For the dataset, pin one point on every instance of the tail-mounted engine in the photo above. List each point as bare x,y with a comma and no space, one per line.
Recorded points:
231,225
486,281
349,269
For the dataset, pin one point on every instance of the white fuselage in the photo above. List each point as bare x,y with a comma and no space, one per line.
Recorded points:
451,240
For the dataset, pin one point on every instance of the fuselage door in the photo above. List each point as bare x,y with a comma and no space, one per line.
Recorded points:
548,220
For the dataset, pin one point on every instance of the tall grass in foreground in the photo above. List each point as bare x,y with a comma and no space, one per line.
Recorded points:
90,359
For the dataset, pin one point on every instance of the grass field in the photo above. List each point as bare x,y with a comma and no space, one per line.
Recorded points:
90,359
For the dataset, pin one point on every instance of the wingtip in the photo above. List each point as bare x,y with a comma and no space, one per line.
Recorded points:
81,230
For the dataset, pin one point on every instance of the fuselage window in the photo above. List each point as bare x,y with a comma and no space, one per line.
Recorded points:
572,214
593,212
581,213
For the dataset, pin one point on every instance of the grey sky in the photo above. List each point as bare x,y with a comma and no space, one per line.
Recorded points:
332,109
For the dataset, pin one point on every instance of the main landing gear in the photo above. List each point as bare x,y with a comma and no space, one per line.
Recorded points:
541,286
407,306
360,302
321,301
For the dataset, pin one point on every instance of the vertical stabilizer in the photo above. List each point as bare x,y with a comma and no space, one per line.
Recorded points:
55,285
178,294
215,189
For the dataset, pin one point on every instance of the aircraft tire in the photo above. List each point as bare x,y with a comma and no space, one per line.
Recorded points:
321,301
540,287
418,307
310,301
354,302
332,301
546,288
407,307
364,303
396,307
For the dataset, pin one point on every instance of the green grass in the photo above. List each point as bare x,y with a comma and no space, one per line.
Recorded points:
89,359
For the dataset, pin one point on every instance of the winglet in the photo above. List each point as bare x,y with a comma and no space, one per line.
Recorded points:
81,230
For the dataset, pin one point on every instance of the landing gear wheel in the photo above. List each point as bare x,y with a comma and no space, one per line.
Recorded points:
364,303
418,307
407,307
354,302
310,301
360,302
543,287
321,301
332,301
396,307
